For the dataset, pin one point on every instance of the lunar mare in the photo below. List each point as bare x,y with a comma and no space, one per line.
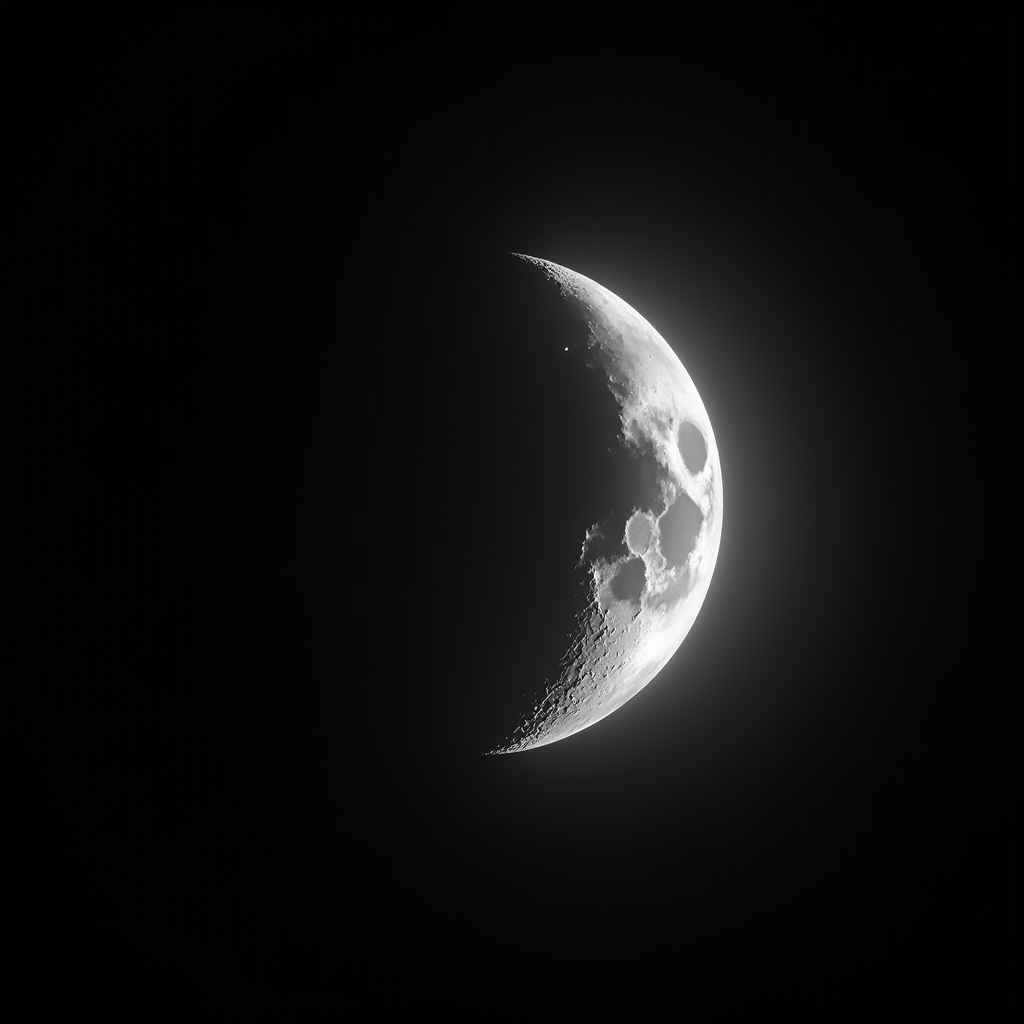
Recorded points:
640,604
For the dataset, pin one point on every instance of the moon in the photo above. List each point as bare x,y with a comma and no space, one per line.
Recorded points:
641,603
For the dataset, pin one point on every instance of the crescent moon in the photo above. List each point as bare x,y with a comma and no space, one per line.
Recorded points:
641,604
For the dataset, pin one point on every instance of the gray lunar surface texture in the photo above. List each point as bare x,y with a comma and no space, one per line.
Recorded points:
641,604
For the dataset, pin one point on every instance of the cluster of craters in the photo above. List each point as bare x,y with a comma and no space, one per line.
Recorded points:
652,554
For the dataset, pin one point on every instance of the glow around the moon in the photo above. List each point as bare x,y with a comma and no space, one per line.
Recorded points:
641,603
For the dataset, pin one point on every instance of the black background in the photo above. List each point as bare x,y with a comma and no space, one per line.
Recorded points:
273,453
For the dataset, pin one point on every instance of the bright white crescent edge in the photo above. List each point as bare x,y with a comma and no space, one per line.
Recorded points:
619,646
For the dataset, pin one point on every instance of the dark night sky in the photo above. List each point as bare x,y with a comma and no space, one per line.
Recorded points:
295,552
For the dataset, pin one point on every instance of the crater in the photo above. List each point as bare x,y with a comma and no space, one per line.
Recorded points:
628,583
638,533
679,528
692,446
